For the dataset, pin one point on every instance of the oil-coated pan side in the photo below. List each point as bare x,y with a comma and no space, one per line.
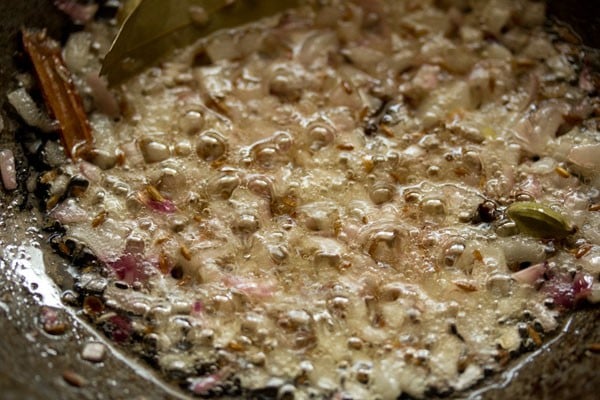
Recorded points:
36,365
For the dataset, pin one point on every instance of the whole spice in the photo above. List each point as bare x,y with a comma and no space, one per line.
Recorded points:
539,220
59,92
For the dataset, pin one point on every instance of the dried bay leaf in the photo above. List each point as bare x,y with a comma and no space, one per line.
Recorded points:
126,9
157,27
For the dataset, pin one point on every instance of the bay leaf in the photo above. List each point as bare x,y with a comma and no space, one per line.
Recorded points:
126,9
157,27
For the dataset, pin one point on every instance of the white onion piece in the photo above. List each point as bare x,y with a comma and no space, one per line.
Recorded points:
545,316
545,165
583,110
427,78
29,111
69,212
7,169
316,49
594,294
586,81
133,156
469,377
531,274
539,48
518,250
534,133
76,52
549,118
523,131
90,171
223,46
586,156
439,103
364,58
103,98
205,384
495,16
591,261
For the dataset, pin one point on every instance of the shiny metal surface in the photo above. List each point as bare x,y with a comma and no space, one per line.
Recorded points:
37,365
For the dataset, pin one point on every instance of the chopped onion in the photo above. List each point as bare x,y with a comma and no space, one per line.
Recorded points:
534,133
132,154
76,51
29,111
79,13
300,189
586,80
90,171
132,268
69,212
518,250
582,284
444,100
586,156
549,118
495,16
165,206
7,169
594,294
567,292
250,288
119,328
223,46
365,58
197,308
317,48
427,78
531,274
205,384
582,110
103,98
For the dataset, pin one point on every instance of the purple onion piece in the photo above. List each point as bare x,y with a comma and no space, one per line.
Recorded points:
131,268
79,13
119,328
165,206
566,292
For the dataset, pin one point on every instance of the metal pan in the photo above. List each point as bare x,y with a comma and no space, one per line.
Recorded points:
38,363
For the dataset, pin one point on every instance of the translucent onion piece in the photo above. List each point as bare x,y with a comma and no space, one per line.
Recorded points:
7,170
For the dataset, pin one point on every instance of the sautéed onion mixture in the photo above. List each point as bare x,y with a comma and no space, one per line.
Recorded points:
373,199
